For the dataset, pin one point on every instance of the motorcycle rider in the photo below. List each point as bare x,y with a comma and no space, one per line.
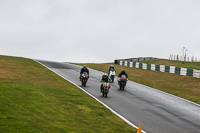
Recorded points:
123,72
104,78
84,69
111,68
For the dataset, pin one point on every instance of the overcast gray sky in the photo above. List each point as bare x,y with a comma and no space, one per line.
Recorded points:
98,30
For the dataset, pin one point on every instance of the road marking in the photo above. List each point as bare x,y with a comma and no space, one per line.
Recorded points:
127,121
167,94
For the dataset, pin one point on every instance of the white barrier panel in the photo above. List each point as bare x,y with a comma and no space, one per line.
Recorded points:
172,69
137,65
131,64
196,73
183,71
162,68
144,65
125,64
120,63
153,67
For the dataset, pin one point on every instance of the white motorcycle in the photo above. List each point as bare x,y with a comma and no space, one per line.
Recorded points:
112,75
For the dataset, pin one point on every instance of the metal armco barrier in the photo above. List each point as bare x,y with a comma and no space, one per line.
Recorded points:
162,68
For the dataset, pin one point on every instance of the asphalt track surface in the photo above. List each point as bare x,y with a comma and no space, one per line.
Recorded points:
157,111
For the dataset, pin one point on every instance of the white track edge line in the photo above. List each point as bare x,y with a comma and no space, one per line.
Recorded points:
168,94
162,92
123,118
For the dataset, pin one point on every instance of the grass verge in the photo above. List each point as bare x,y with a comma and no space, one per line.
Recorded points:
191,65
183,86
34,99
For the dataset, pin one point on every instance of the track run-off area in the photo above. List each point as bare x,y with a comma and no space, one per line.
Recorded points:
157,111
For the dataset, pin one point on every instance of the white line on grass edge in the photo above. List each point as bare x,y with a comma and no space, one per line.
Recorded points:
162,91
168,94
127,121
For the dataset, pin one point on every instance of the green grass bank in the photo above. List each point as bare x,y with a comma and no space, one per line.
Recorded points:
34,99
183,86
191,65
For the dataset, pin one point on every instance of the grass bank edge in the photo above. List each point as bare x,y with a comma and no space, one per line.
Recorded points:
166,62
183,86
93,96
45,102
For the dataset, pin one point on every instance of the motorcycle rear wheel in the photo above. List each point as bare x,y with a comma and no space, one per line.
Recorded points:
84,84
112,79
123,87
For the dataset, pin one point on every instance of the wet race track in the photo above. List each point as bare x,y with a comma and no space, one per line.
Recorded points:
158,112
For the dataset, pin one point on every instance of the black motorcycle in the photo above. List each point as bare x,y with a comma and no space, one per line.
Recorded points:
122,82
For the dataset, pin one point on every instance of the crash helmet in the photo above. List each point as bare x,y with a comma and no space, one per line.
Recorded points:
111,66
84,66
123,70
105,75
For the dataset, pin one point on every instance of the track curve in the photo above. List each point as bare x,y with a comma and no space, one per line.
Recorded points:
157,111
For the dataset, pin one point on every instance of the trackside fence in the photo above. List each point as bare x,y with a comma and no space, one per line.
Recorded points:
162,68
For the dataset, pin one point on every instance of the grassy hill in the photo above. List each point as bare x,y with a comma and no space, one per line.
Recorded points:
34,99
183,86
191,65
